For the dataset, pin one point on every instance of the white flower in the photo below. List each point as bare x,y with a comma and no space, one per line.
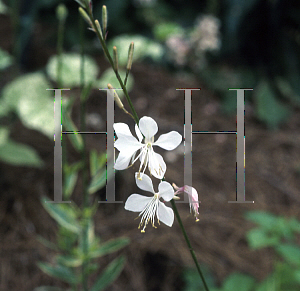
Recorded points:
193,198
149,206
128,146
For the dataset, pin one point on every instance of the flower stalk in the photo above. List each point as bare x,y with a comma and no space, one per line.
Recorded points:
101,34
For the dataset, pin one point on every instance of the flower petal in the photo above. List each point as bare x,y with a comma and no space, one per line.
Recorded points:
122,129
169,141
138,133
137,202
123,160
165,191
144,184
148,127
165,214
126,143
157,166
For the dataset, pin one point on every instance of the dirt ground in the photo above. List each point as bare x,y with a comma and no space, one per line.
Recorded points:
156,259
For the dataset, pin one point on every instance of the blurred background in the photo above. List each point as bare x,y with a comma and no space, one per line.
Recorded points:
213,45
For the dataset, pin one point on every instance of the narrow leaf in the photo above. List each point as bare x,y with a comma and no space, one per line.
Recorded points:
111,272
110,247
18,154
60,272
64,214
99,180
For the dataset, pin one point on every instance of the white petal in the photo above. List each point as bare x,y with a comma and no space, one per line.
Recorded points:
137,202
127,143
165,214
122,129
169,141
148,127
138,133
144,184
165,191
123,160
157,166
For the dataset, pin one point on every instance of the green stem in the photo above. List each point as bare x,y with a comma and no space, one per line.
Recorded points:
83,156
188,243
59,49
107,54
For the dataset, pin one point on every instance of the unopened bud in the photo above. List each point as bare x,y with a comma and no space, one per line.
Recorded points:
85,16
104,19
116,97
115,58
130,56
61,12
98,27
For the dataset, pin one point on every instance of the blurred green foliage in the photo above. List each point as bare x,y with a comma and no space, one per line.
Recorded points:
277,232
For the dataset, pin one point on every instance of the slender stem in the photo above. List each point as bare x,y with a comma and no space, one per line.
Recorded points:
188,243
83,155
59,49
106,52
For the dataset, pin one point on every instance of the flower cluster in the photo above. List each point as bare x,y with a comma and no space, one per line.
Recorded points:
141,148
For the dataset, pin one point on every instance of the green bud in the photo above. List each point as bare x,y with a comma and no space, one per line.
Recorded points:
85,16
61,12
98,27
130,56
104,19
115,58
116,97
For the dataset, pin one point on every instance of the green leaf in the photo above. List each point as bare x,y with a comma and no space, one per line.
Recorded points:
64,214
5,58
18,154
269,284
4,134
27,95
290,252
71,64
111,272
266,220
259,238
269,109
96,162
99,180
109,76
162,31
69,261
238,282
109,247
60,272
71,175
75,138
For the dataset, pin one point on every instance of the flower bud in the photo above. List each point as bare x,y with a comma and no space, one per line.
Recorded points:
116,97
85,16
104,19
130,56
98,27
115,58
61,12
